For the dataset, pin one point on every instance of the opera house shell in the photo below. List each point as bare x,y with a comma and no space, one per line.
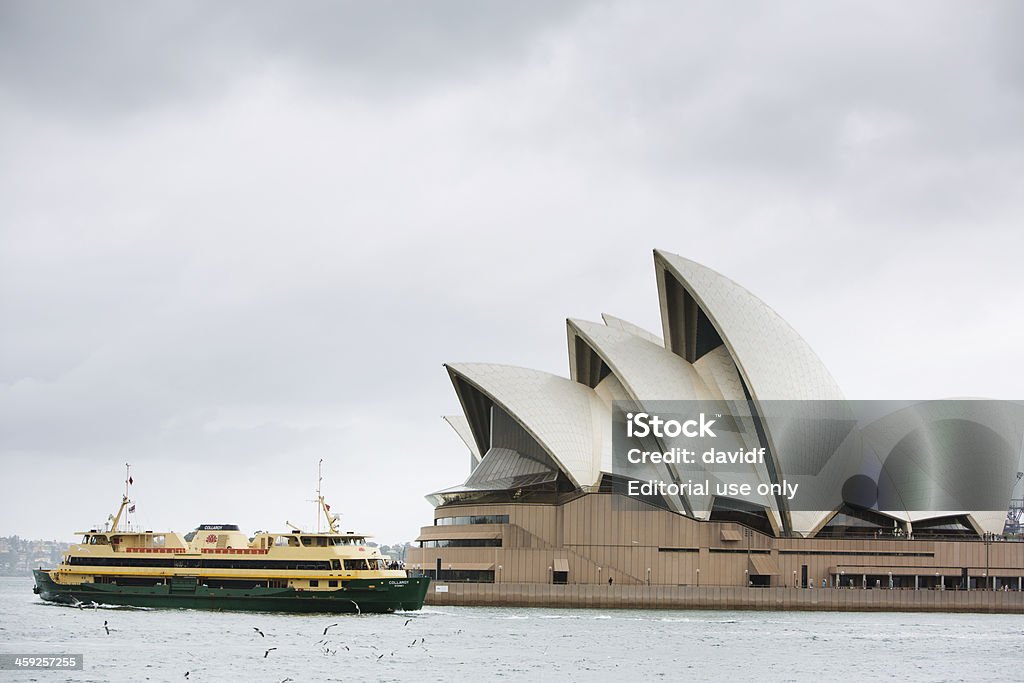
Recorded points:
531,433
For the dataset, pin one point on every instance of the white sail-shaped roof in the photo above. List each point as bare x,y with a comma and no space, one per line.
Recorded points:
653,376
648,371
719,374
703,310
775,361
626,326
563,416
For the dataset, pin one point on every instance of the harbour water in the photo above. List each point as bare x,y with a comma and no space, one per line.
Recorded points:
476,643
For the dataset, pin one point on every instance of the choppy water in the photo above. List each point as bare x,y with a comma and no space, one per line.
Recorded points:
463,643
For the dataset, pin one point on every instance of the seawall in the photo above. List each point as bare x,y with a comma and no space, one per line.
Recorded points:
723,597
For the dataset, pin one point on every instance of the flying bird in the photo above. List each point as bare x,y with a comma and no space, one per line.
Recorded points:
329,627
406,622
378,658
186,674
358,611
259,632
268,652
105,627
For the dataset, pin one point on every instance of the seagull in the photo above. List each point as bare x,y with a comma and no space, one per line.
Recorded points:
268,652
358,611
105,627
346,647
186,674
406,622
331,626
378,658
259,632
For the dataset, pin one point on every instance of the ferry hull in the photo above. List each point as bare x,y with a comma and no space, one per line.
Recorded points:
361,595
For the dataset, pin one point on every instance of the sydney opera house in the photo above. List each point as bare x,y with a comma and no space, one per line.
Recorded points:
895,495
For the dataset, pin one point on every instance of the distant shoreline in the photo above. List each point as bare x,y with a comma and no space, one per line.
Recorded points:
19,556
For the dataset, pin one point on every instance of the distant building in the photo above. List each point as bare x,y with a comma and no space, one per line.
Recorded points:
18,556
890,502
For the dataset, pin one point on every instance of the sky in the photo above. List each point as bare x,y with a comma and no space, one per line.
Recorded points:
238,238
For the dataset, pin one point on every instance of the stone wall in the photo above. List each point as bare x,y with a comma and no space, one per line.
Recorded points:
724,597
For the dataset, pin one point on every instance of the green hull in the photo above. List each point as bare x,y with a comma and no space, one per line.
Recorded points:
386,595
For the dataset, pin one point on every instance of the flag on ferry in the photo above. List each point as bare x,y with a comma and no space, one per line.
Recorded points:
131,480
132,508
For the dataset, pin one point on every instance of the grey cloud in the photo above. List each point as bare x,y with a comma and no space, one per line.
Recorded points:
807,96
117,57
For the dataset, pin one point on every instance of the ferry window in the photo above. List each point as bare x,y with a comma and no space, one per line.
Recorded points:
335,564
313,583
307,541
355,564
332,584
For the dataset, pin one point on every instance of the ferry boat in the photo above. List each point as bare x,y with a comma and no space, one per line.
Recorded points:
217,567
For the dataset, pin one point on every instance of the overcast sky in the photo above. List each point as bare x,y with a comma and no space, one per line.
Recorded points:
239,237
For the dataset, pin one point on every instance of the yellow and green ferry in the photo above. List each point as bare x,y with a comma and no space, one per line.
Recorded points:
218,567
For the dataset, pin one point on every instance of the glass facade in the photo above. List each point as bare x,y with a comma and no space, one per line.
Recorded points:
463,543
472,519
462,575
